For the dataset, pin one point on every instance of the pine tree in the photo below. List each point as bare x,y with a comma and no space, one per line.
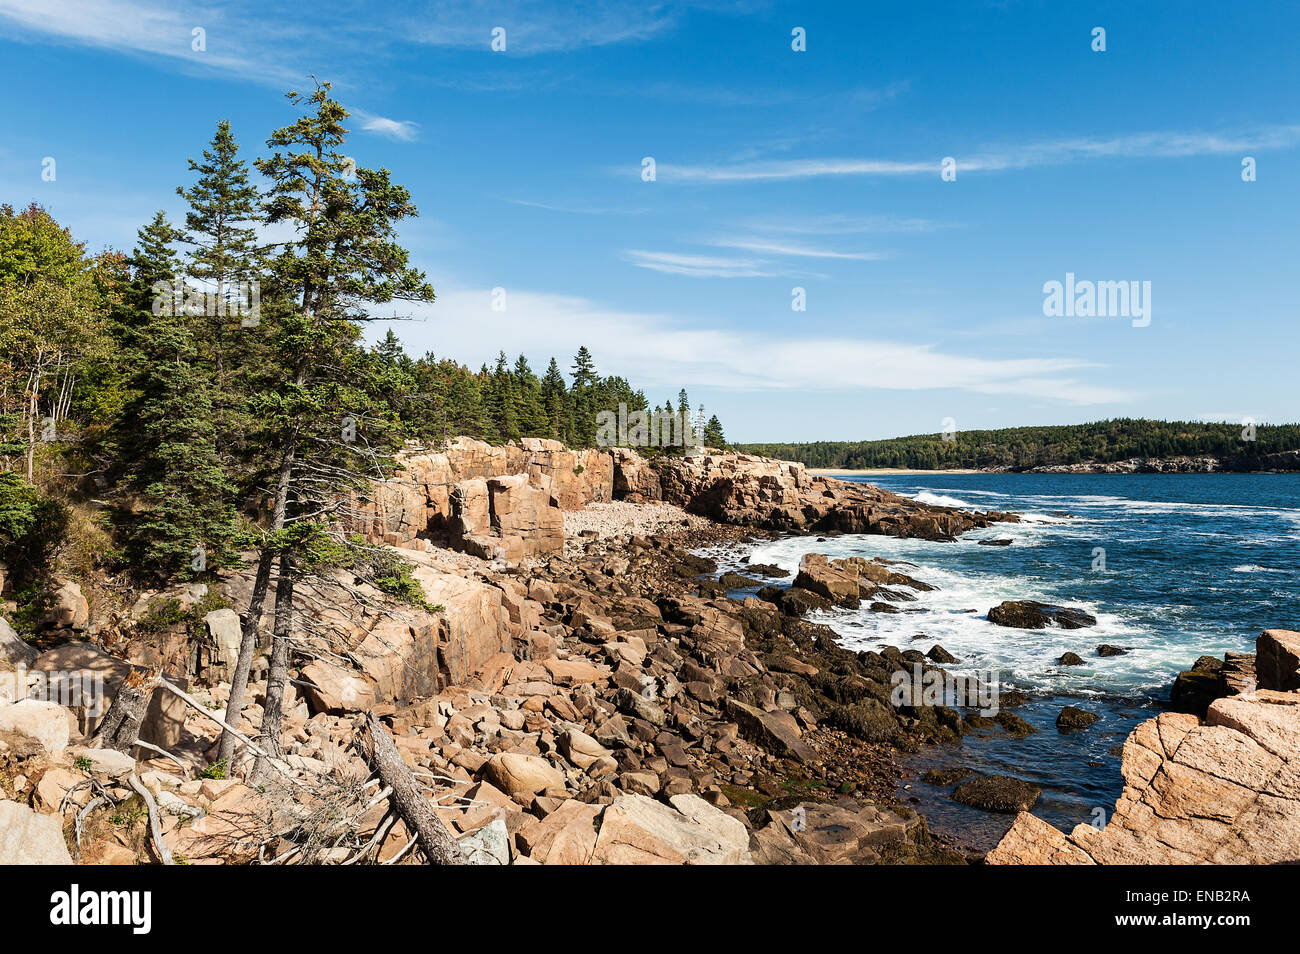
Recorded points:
504,404
218,226
343,256
533,421
713,436
183,520
155,265
224,257
555,400
583,397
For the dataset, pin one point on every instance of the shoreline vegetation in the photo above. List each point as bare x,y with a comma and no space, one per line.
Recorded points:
885,471
1122,445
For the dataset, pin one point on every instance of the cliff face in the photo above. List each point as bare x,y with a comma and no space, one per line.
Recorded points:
508,501
780,495
452,492
1225,790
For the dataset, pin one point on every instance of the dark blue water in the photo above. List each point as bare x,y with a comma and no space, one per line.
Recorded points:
1173,566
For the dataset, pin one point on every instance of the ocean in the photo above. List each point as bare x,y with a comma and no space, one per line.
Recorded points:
1173,567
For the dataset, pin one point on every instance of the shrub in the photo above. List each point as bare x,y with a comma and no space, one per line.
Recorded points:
32,527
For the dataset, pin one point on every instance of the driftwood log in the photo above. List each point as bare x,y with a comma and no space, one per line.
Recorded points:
408,800
120,727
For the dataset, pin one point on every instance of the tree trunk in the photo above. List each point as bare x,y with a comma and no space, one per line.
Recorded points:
120,726
439,847
253,619
278,676
247,645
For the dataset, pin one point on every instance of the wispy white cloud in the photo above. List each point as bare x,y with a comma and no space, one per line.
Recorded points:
140,27
762,170
661,351
1147,145
252,41
578,209
840,224
798,251
402,130
700,266
536,26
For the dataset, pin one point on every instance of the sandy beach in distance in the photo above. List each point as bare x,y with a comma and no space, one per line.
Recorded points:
838,472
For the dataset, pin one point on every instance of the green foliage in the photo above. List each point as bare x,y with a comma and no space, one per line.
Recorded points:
31,527
32,603
713,436
217,770
382,568
164,614
442,399
1022,448
182,521
35,249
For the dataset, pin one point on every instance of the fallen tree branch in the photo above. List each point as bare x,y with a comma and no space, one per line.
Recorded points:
155,828
437,843
200,707
375,840
161,751
79,822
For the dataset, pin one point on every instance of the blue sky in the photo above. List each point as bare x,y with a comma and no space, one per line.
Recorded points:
775,169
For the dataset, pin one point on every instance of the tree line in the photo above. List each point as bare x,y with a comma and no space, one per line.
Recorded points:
1023,448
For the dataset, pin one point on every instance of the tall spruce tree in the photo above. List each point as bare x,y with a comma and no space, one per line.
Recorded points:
533,421
182,521
583,395
223,253
555,401
343,257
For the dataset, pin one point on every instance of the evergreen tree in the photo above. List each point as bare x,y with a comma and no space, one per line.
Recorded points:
583,396
533,421
182,520
555,401
155,265
504,401
223,255
713,436
320,397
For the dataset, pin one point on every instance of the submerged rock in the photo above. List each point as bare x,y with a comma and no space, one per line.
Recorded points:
942,778
1014,725
734,581
1075,718
1030,614
998,793
940,655
767,569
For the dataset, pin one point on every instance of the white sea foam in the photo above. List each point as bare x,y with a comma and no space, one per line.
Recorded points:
939,500
955,616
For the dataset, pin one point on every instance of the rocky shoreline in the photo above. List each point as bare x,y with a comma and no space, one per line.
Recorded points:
574,684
